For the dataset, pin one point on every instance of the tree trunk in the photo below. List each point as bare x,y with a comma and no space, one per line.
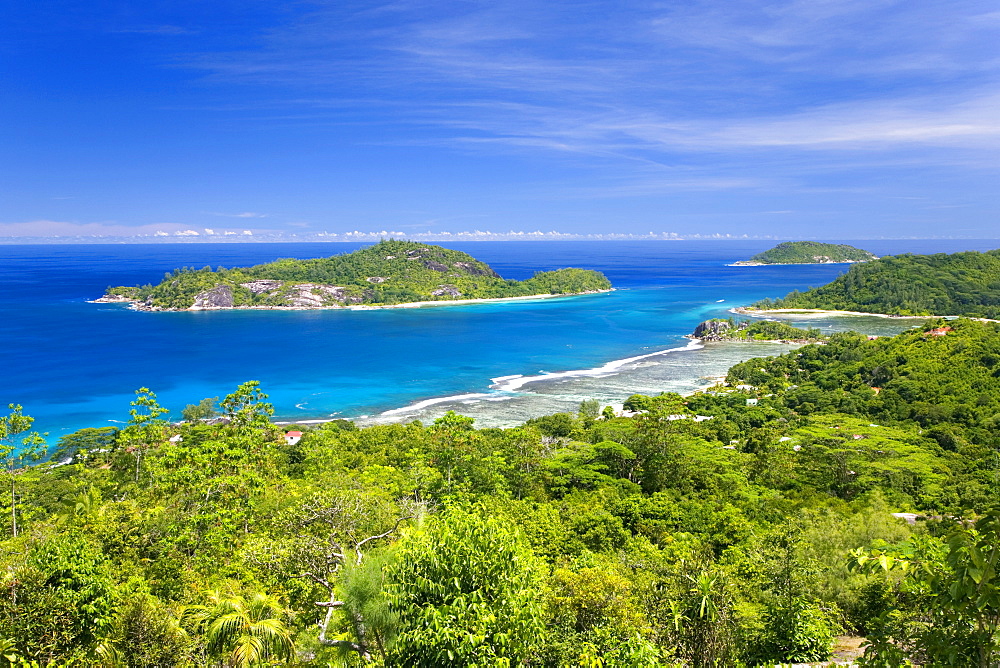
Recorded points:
13,507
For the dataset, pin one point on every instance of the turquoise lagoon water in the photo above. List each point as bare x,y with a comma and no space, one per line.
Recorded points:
75,364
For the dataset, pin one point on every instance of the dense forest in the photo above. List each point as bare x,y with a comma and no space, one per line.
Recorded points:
389,272
744,525
810,252
940,284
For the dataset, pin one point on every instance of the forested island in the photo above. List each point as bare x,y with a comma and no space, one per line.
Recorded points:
390,272
957,284
748,524
808,252
728,329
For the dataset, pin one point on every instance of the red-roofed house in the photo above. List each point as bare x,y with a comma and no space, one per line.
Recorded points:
293,437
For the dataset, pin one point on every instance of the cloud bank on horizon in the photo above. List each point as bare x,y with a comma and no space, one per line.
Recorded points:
818,118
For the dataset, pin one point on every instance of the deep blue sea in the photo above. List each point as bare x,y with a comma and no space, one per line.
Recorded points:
75,364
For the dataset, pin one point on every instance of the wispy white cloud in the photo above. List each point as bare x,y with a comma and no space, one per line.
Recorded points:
58,228
708,74
245,214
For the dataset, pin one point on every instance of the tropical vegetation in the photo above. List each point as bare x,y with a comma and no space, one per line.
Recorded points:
728,329
966,284
389,272
748,524
810,252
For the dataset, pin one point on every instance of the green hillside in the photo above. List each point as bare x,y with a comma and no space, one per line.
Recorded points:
743,526
810,252
389,272
941,284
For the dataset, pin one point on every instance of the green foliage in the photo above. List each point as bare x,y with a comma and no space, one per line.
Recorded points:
389,272
247,409
947,597
85,440
659,539
808,252
145,428
958,284
203,410
637,403
466,590
61,601
767,330
558,425
148,634
16,450
452,420
242,632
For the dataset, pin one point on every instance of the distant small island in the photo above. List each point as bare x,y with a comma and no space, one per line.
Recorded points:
959,284
389,273
727,329
808,252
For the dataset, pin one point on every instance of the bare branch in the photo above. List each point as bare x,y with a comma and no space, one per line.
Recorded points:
400,520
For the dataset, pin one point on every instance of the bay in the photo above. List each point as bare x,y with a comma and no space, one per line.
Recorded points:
75,364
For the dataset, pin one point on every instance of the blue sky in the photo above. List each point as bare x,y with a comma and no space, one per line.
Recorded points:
810,118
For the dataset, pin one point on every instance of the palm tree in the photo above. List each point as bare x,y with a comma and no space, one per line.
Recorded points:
241,633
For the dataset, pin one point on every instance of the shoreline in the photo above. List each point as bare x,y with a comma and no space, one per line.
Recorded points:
753,312
748,263
746,310
504,388
133,304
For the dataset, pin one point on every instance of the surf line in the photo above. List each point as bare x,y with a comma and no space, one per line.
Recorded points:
503,387
512,383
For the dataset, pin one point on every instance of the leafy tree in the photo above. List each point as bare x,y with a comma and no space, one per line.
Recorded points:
147,634
325,537
84,441
947,597
203,410
11,427
247,408
61,600
466,591
145,428
558,425
588,411
452,420
637,403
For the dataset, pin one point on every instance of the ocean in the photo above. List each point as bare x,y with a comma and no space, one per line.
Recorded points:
75,364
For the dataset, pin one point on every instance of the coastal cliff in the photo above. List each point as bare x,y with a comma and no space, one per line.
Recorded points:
386,274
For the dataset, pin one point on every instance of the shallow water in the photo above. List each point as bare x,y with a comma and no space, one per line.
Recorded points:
75,364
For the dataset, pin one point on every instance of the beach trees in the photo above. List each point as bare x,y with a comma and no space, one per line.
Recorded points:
202,410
